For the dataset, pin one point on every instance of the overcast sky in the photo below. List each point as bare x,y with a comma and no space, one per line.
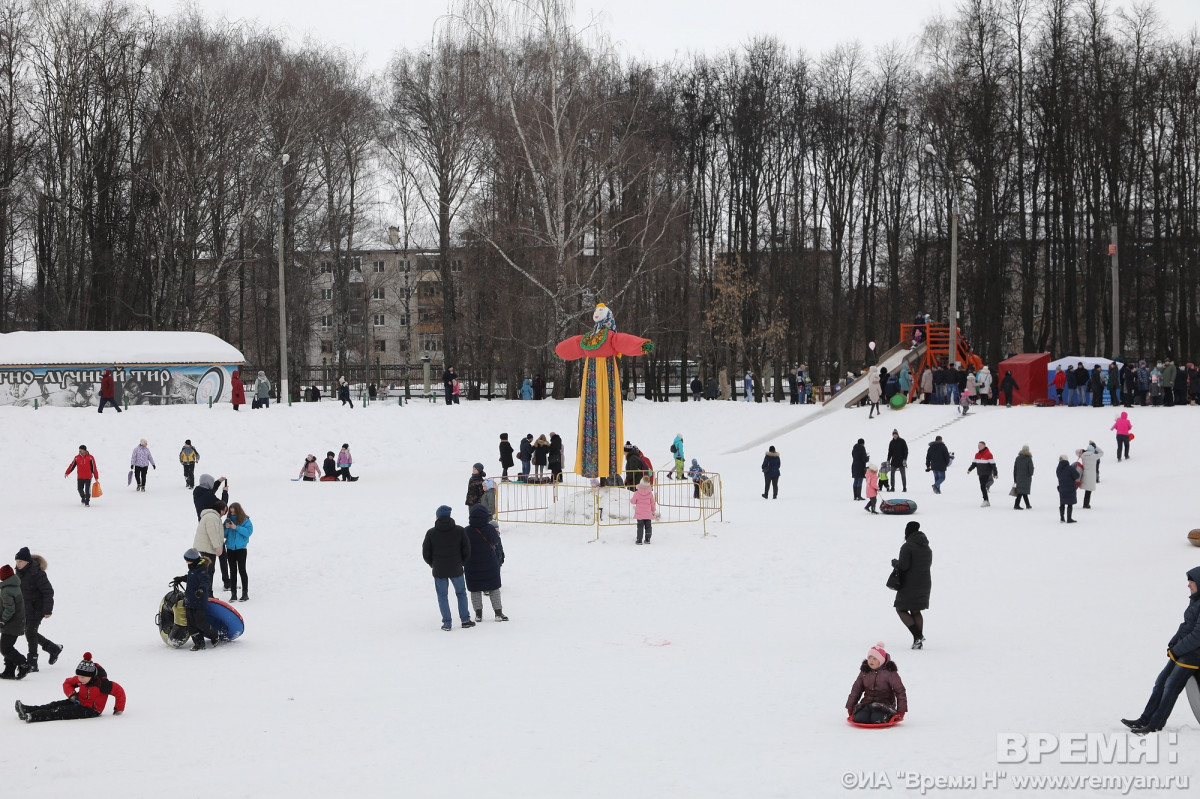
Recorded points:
654,29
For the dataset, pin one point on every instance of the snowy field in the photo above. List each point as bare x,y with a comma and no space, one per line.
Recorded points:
697,667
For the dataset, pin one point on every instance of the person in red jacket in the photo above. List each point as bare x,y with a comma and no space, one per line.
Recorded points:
108,392
87,694
84,466
1060,382
239,391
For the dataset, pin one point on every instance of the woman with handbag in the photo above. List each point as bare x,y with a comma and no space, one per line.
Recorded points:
912,581
1022,477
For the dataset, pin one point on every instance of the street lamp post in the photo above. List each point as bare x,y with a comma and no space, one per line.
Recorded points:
929,148
284,394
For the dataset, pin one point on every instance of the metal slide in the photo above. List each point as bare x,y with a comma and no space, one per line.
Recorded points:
857,390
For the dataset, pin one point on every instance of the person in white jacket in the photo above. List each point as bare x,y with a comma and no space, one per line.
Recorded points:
210,536
983,385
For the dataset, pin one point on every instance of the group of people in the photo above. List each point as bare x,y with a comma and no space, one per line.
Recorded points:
536,456
469,559
222,538
261,389
1162,384
874,480
333,469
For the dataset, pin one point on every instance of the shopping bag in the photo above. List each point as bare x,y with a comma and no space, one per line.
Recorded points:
96,492
129,479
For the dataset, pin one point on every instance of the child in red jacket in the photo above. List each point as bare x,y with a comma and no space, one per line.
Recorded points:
87,694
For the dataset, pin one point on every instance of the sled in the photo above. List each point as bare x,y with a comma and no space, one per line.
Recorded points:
225,620
892,722
1045,402
172,619
706,487
897,507
1193,694
129,479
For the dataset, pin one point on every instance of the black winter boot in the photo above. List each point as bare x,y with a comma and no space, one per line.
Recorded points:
500,615
31,661
10,671
55,650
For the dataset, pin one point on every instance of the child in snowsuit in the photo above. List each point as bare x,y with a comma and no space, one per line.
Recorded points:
884,476
878,695
644,509
696,475
506,456
188,456
330,468
196,592
139,462
344,461
87,694
872,489
309,471
475,487
677,452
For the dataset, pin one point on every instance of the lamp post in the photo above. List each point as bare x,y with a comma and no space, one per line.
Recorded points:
284,394
929,148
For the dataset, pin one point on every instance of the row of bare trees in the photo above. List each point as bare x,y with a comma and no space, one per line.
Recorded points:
749,209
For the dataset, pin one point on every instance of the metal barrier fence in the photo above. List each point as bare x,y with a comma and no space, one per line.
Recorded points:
583,502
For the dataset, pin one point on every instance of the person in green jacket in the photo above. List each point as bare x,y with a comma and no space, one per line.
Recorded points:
12,624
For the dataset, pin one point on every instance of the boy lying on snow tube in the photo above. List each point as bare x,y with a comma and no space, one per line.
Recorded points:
878,696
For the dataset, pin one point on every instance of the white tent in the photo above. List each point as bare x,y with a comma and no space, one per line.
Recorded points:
1088,362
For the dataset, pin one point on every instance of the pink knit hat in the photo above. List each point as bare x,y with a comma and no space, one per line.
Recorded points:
879,652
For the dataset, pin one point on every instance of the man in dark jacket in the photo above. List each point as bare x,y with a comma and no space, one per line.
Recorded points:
898,458
525,453
793,387
108,391
712,390
914,564
858,467
1167,377
446,549
39,604
937,460
1183,658
204,495
1128,384
12,624
506,456
1097,387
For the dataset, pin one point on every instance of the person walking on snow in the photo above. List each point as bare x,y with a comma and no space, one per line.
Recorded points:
262,390
344,393
1068,478
84,466
878,695
12,624
344,461
446,549
1122,426
87,695
1023,477
189,456
874,393
898,459
238,390
482,567
1183,661
872,489
1090,458
770,470
645,509
1007,386
915,564
506,456
748,386
937,460
108,391
38,594
858,467
985,466
677,453
139,462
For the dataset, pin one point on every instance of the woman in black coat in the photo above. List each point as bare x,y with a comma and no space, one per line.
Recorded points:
482,567
1023,476
858,467
1067,476
914,563
1007,386
555,458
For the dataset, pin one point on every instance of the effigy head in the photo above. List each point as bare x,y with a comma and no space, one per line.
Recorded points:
603,318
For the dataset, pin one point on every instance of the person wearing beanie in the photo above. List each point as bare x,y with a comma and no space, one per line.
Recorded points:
482,567
188,456
139,462
872,489
645,509
878,695
858,467
330,468
1183,660
677,453
984,466
897,458
770,470
197,590
446,548
87,694
1068,483
914,564
696,475
84,466
525,453
12,624
39,605
344,461
475,486
506,456
555,458
1022,477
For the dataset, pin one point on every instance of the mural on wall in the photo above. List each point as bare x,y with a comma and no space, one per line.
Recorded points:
79,386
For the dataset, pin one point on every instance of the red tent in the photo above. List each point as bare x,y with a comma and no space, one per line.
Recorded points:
1029,370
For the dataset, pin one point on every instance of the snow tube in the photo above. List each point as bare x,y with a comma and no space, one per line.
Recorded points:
898,401
898,507
1193,694
1045,402
892,722
171,619
225,620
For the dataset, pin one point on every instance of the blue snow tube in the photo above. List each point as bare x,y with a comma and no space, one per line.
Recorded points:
225,620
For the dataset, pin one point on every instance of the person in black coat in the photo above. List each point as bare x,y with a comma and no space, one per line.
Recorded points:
554,459
696,387
1096,384
196,592
506,455
482,567
1183,658
329,467
526,454
1067,476
633,466
39,604
914,564
770,470
793,390
898,458
937,460
446,548
448,378
539,387
1007,386
858,467
204,495
711,389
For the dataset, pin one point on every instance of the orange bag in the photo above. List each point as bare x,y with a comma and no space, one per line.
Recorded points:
96,492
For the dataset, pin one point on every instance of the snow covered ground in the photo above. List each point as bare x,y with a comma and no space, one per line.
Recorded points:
696,667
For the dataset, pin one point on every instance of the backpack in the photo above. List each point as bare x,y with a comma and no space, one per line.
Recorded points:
673,449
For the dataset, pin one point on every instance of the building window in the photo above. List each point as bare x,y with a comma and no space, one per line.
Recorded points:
377,266
404,265
327,294
402,320
429,290
427,317
431,344
377,294
459,293
326,267
326,322
377,320
456,265
356,263
326,347
380,345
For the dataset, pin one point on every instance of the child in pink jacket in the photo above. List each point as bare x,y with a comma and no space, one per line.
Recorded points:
872,489
644,509
1122,426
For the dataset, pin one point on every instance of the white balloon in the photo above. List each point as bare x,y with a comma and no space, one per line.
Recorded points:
872,345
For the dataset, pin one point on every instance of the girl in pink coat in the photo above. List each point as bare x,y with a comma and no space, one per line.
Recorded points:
872,489
1122,426
644,509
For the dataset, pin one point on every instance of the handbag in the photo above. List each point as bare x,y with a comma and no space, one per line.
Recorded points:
1012,492
895,580
96,492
